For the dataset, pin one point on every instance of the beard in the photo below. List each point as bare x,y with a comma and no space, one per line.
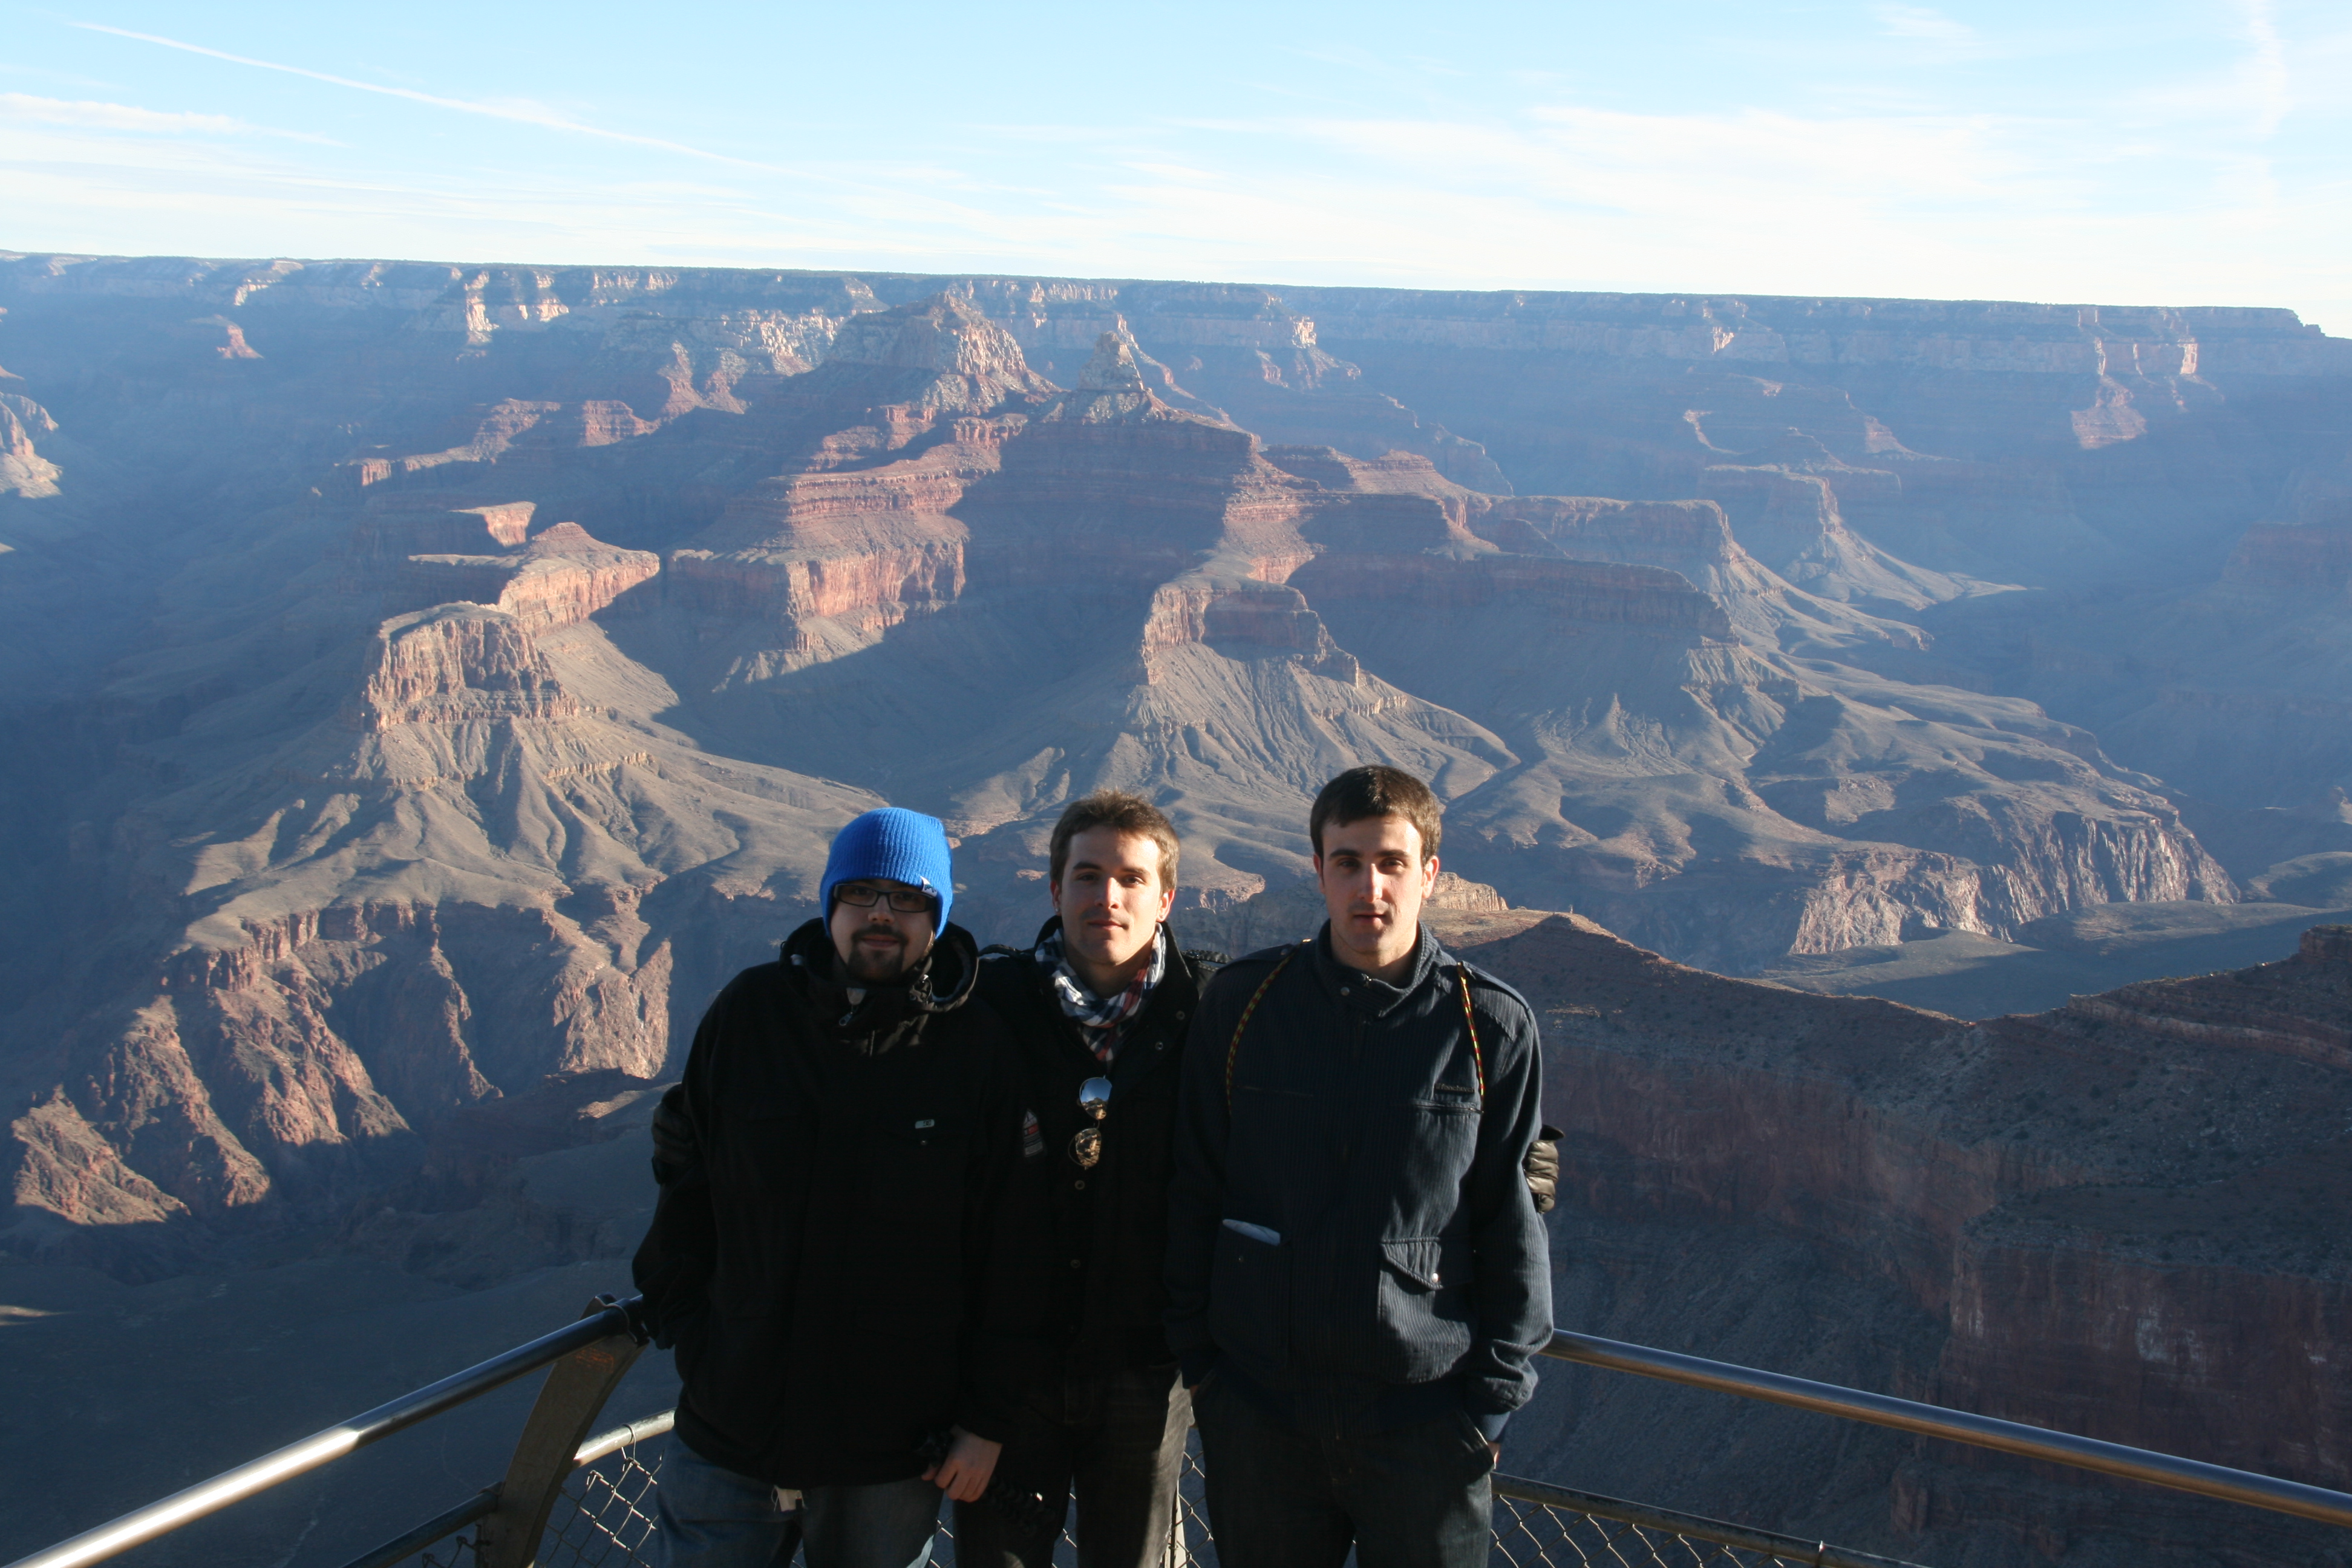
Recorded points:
877,965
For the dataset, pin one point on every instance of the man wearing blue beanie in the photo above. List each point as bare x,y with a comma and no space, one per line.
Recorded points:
894,845
831,1165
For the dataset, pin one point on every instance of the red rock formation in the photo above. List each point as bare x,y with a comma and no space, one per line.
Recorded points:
396,526
1402,473
1108,484
495,431
236,347
286,1067
561,578
453,664
1791,521
1245,620
23,471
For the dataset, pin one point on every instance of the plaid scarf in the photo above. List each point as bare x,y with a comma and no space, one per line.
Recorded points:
1104,1018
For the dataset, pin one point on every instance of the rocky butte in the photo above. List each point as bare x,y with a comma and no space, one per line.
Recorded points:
423,685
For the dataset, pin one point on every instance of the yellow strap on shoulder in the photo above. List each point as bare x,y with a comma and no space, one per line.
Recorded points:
1233,1047
1470,1022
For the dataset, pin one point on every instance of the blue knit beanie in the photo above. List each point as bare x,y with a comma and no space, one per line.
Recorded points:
904,845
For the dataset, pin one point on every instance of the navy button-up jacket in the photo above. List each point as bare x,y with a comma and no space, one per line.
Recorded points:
1351,1240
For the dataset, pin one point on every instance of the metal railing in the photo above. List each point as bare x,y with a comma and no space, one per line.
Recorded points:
570,1499
597,1516
600,1346
1961,1426
605,1520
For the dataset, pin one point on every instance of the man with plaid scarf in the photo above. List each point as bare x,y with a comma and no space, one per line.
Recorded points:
1098,1004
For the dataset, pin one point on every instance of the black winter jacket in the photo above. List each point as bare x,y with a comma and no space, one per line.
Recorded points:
1389,1265
1082,1286
820,1260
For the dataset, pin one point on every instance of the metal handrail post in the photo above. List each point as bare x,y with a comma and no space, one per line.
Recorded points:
1960,1426
323,1447
547,1452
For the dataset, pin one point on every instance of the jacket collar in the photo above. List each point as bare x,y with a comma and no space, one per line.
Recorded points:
943,983
1353,987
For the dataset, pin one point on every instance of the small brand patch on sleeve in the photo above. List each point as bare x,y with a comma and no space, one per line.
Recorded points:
1032,1137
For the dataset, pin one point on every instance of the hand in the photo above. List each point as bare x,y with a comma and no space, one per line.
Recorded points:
964,1474
1543,1168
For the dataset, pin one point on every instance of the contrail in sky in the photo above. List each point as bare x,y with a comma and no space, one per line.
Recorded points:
524,115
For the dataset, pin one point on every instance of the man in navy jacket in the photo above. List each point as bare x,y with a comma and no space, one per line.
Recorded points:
1358,1280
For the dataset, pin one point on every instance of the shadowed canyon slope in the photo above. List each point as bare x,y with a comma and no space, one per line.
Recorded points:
418,680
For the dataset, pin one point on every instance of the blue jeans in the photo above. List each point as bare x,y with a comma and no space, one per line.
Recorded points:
1415,1497
710,1517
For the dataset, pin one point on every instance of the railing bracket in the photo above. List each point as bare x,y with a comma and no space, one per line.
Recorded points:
569,1403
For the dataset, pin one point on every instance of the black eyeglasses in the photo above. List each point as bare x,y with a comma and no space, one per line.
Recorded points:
906,900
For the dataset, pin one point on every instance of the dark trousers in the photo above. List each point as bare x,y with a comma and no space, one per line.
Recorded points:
1416,1497
1118,1441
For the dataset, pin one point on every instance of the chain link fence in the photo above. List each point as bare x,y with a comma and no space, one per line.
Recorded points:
605,1520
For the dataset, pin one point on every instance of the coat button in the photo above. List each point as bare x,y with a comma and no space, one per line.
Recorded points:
1076,1264
1080,1184
1180,1014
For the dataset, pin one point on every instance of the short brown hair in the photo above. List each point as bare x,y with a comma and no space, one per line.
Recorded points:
1121,812
1377,791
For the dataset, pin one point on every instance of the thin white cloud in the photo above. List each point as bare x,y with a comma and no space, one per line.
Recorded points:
12,67
2268,85
24,109
519,112
2321,63
1618,162
1923,22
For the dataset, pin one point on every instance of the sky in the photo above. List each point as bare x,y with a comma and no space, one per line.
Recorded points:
2158,152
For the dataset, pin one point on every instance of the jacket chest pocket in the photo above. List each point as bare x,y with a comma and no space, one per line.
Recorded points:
1437,1139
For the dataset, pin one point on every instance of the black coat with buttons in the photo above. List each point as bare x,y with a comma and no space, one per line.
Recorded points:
1080,1288
819,1258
